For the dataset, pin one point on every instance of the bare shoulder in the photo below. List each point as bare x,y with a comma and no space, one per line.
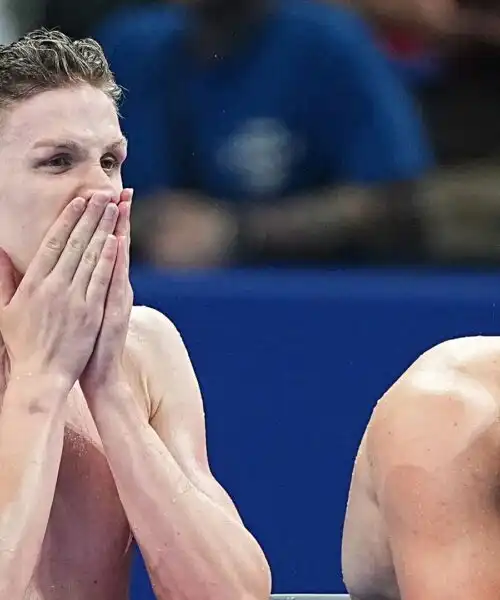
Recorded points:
156,351
152,337
443,409
150,326
153,340
427,471
155,355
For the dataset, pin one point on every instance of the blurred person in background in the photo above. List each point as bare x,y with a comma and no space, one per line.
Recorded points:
437,19
264,132
449,51
80,21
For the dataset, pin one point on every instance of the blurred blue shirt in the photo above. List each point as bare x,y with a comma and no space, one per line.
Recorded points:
308,102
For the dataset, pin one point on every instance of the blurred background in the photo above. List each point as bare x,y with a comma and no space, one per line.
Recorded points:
317,201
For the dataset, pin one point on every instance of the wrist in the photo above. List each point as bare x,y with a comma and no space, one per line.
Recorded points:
44,377
37,392
102,379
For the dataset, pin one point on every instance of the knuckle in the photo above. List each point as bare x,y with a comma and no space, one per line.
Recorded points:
54,286
54,244
28,287
102,279
91,258
76,245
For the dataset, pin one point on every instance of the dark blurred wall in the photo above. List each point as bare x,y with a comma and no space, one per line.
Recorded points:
80,18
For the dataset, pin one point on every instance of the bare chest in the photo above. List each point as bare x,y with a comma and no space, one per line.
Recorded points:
87,541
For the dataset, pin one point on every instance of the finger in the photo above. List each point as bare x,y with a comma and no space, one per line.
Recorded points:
123,223
120,276
7,279
55,241
123,226
103,273
127,195
119,280
94,249
81,235
129,236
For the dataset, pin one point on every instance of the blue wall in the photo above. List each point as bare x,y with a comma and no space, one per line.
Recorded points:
290,365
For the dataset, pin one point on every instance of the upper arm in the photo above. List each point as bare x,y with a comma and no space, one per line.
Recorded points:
436,460
177,406
370,127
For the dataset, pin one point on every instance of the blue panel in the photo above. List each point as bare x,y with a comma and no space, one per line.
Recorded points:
291,365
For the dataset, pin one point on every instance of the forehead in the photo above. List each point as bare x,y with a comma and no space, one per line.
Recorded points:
84,114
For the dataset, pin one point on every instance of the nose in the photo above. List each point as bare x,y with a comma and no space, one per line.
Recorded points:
97,181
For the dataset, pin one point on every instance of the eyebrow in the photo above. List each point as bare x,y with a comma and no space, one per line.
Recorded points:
73,146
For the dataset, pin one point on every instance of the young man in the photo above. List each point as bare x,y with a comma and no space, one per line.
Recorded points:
423,519
101,427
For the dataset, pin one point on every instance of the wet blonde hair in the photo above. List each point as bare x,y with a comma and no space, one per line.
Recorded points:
45,60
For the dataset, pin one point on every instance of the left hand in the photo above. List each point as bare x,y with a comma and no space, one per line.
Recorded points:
192,233
104,369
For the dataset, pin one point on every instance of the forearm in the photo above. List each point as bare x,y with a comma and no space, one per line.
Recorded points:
409,14
193,547
331,218
31,440
444,20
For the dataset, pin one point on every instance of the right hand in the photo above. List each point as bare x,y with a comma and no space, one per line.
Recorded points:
50,323
426,16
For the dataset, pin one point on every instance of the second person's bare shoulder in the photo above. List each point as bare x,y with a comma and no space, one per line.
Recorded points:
467,361
450,393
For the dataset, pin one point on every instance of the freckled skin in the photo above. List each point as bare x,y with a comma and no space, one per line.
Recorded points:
423,507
